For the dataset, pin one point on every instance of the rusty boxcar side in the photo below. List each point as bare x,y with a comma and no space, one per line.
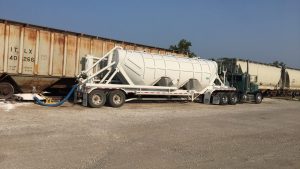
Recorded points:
35,57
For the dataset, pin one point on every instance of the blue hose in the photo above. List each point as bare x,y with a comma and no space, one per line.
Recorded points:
39,102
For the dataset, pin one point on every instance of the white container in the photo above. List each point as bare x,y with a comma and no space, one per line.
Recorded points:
266,76
147,69
294,78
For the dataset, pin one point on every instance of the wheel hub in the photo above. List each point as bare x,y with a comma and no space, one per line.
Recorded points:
97,99
117,99
258,98
234,99
225,99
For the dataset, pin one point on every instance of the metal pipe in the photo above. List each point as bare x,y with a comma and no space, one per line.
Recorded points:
112,76
106,55
98,72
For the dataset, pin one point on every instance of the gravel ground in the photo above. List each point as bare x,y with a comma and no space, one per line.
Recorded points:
151,135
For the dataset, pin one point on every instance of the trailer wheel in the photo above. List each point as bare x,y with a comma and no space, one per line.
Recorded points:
258,98
116,98
223,99
232,98
96,98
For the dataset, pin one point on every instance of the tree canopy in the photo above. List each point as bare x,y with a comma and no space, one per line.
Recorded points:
183,46
278,64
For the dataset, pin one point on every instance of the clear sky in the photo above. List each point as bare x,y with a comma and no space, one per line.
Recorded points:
261,30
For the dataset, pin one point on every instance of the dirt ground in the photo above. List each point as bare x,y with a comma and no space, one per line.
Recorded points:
151,136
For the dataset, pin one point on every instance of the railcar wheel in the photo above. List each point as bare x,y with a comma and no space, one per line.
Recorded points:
96,98
116,98
6,90
258,98
232,98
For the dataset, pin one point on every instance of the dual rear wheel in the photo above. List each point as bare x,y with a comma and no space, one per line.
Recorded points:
114,98
228,98
233,98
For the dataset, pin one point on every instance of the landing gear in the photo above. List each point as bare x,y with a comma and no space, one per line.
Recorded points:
6,90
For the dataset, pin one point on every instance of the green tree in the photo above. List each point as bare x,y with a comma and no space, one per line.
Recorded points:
183,46
278,63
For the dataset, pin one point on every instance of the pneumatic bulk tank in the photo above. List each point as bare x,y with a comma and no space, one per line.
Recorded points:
293,78
264,75
147,69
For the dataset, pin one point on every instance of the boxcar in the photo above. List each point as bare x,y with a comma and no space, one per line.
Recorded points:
33,58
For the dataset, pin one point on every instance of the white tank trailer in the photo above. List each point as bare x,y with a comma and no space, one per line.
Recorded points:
125,75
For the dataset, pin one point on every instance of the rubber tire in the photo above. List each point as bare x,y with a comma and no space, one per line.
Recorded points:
222,99
98,93
258,98
232,98
242,98
111,98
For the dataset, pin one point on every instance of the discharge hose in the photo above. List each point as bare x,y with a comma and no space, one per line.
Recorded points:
39,102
